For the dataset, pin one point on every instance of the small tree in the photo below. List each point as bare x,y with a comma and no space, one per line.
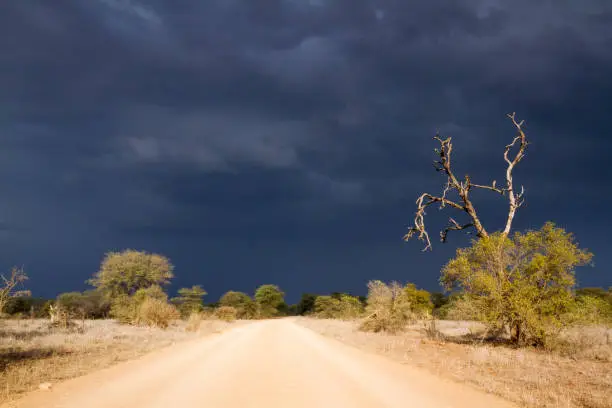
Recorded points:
419,300
10,285
269,298
124,273
189,300
521,285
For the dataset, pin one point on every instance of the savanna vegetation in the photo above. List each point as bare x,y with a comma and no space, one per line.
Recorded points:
509,317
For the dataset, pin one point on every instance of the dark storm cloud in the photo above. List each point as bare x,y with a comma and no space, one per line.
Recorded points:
303,125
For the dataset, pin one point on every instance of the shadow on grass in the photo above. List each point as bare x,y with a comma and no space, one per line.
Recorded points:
12,356
24,335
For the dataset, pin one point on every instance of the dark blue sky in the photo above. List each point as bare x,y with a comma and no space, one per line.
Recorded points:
286,141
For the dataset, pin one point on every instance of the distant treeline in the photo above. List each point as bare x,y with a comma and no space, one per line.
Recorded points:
96,307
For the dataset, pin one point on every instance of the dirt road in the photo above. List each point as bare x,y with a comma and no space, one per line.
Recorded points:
266,364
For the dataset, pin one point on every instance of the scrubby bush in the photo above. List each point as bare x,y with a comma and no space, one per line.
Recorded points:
89,304
194,321
391,307
419,301
189,300
590,310
28,306
137,309
124,309
226,313
156,313
246,308
520,285
269,298
338,307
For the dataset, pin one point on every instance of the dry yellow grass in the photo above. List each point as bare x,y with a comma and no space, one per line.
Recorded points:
32,354
580,377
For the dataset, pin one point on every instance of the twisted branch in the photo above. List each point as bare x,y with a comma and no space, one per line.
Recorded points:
463,188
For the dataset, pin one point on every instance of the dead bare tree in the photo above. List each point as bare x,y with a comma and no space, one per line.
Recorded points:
7,290
463,188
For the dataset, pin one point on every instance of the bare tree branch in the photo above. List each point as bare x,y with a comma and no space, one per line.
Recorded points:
453,226
516,200
7,290
463,188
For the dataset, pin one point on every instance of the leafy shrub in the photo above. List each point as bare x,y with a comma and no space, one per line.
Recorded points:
91,304
337,307
156,313
246,308
590,310
189,300
520,285
226,313
128,309
269,298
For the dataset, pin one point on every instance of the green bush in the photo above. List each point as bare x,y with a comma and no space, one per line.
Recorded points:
246,308
338,307
269,298
189,300
127,309
590,310
520,285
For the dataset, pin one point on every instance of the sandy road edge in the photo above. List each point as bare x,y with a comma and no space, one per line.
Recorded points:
109,371
423,375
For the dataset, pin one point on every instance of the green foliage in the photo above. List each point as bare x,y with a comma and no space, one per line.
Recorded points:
89,304
127,309
269,298
246,308
306,304
154,312
390,307
124,273
419,299
521,285
124,309
27,306
591,310
189,300
340,306
226,313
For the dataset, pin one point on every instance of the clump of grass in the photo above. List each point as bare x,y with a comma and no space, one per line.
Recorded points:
194,321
